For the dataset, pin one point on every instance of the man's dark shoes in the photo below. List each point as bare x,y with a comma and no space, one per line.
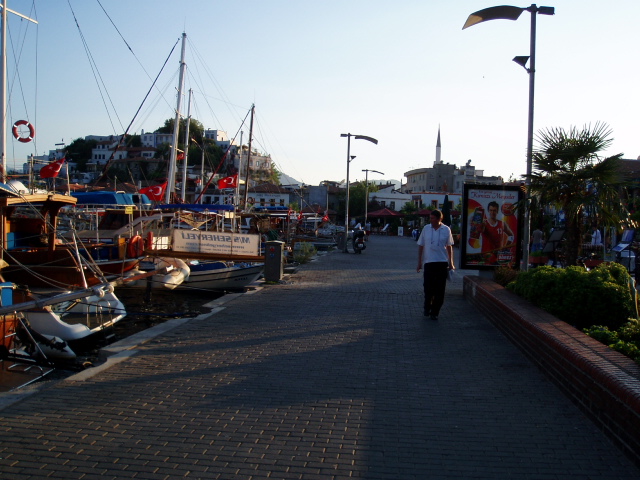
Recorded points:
434,317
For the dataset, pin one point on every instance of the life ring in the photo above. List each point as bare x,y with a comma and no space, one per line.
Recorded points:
149,240
16,133
135,246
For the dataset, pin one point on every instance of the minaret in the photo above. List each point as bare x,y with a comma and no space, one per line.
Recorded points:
438,148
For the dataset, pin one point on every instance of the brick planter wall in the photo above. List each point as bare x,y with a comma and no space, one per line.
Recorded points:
603,383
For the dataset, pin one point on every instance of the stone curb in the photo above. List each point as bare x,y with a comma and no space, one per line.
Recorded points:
602,382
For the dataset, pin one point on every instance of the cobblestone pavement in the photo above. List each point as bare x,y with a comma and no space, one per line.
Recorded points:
333,375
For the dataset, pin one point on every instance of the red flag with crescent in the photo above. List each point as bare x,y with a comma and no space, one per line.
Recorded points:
155,192
52,169
228,182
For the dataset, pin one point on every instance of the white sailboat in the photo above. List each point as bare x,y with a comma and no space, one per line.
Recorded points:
208,269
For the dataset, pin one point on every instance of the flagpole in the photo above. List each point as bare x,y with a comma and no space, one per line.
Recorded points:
68,186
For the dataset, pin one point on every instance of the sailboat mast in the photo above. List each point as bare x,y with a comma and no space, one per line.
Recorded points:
3,87
236,196
171,177
3,92
202,184
246,177
183,192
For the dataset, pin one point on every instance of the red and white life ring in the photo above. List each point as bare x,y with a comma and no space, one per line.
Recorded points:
16,132
135,246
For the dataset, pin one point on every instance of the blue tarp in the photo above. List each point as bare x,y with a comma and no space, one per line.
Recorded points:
112,198
275,208
196,207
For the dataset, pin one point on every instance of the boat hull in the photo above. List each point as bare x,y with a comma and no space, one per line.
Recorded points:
40,269
211,276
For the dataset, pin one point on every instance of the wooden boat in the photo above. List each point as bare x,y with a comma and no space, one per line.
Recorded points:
38,258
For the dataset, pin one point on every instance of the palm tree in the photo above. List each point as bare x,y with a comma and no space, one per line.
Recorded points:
569,174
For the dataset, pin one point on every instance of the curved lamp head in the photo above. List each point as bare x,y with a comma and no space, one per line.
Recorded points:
504,12
368,139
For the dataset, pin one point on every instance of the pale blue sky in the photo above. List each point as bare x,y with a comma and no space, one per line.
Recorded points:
316,69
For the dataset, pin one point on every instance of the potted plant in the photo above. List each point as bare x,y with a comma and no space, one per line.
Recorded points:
538,258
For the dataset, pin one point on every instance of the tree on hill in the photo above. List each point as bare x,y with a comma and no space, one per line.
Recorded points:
196,129
79,152
569,174
410,210
357,198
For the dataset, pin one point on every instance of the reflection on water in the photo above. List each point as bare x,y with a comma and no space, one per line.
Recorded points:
146,310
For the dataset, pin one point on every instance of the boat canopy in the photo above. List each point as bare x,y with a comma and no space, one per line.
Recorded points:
112,199
196,207
271,208
6,191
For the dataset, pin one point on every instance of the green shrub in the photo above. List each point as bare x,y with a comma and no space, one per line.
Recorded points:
303,252
504,274
630,332
625,340
578,297
628,349
602,334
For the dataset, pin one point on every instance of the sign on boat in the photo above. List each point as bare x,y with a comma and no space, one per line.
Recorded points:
224,243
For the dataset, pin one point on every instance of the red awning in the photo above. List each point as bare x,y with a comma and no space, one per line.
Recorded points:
385,212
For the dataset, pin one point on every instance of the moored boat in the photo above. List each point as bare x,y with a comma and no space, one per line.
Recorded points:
221,275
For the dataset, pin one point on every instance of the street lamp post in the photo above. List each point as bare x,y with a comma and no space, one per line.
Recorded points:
508,12
366,193
349,158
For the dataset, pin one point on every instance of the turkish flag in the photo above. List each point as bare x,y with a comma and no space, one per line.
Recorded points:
52,169
156,192
228,182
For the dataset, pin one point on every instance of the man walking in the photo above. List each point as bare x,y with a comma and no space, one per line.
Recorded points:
435,255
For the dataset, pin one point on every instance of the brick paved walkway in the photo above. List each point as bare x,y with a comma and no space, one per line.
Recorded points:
335,374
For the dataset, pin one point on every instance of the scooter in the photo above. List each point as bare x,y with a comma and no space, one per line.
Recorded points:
358,241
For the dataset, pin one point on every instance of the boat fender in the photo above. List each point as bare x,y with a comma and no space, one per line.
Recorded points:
16,133
98,292
149,240
135,246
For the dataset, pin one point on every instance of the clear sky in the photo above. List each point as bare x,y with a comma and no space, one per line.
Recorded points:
395,71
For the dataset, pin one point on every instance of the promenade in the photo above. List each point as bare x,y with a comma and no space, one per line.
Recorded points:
334,374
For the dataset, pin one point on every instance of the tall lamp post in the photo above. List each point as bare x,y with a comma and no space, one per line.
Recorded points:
349,158
366,192
507,12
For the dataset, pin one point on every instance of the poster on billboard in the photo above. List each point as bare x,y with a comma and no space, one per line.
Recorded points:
490,227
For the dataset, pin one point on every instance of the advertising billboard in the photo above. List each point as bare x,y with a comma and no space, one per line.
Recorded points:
490,227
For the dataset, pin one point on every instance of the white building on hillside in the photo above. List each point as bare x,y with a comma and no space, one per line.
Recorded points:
396,200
